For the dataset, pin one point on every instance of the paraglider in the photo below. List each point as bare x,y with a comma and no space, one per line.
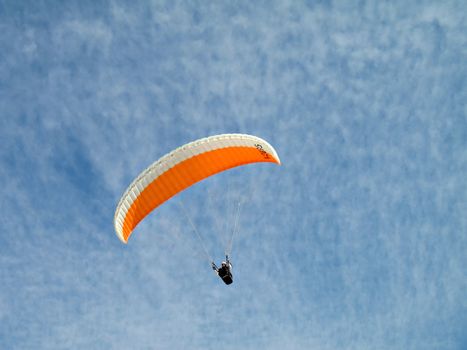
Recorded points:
182,168
225,271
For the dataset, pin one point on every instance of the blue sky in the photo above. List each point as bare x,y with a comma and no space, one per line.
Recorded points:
358,241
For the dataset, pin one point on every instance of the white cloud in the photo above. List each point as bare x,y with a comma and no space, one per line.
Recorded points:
356,241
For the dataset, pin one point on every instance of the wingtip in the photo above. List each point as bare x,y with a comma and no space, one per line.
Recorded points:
121,238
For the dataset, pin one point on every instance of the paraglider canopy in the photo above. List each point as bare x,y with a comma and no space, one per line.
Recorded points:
182,168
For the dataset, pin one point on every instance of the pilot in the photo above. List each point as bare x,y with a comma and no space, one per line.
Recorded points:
224,271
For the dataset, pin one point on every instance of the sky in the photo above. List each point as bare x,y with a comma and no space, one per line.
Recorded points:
357,241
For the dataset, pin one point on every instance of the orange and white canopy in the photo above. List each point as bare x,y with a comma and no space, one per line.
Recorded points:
182,168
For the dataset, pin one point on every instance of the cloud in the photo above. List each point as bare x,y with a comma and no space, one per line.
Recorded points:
355,242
